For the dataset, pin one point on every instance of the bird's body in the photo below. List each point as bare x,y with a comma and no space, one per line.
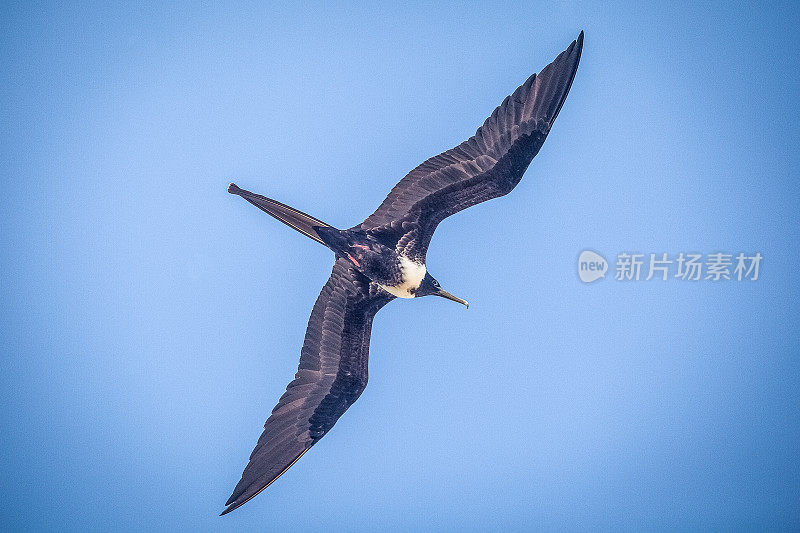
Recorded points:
394,272
383,258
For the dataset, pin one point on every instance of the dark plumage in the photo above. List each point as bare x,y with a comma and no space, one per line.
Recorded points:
331,376
384,257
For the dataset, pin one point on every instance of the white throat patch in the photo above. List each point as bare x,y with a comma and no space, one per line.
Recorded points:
413,274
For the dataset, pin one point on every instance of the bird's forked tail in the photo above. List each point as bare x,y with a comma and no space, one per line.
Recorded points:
293,218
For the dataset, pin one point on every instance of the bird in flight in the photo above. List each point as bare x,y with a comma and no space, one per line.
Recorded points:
383,258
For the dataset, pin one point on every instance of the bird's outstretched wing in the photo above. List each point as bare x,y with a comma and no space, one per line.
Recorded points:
331,376
488,165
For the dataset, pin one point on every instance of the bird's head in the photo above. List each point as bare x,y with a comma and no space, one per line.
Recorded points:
430,286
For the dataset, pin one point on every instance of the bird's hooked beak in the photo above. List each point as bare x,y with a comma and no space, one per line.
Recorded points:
444,294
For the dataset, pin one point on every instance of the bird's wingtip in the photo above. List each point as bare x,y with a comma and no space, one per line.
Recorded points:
232,504
240,499
233,188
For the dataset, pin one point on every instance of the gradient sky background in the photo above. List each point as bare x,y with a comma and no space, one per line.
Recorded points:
150,321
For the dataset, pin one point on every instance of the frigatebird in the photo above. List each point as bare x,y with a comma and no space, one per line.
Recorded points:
383,258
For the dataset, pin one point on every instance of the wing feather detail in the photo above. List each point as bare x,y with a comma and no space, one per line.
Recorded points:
331,376
486,166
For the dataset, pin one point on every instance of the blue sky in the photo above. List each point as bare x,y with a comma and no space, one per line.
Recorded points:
150,320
